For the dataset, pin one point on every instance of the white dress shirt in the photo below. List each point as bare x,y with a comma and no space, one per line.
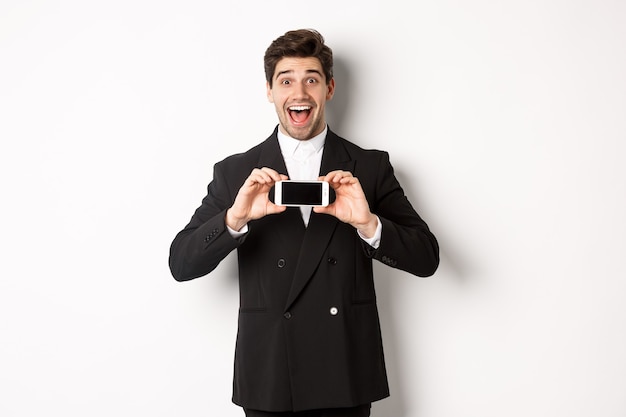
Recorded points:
303,159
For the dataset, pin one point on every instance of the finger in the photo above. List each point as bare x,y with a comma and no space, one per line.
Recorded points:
329,209
275,209
273,174
349,180
262,176
336,176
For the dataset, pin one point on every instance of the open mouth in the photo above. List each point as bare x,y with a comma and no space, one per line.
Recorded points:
299,114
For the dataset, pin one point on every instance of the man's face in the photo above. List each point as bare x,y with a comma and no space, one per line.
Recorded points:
299,93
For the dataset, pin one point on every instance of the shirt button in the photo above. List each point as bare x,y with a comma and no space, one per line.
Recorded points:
333,311
281,263
287,315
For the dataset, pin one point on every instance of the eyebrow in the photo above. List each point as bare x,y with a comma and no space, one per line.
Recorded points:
309,71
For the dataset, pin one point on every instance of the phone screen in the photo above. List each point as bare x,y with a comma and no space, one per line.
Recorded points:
303,193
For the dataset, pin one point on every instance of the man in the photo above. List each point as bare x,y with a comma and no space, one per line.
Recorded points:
309,339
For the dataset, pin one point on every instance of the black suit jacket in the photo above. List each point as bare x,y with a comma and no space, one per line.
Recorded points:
309,334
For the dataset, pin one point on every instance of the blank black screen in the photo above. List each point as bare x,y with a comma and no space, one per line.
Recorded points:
302,193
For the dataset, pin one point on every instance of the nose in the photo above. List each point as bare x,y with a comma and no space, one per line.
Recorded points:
301,91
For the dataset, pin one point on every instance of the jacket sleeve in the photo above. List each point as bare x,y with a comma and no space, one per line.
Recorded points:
205,241
406,241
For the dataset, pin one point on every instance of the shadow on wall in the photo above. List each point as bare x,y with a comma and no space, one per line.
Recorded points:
396,404
339,106
456,262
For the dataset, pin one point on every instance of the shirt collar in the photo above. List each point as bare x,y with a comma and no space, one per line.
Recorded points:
288,145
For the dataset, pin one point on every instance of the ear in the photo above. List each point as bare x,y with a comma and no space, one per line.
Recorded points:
270,98
330,89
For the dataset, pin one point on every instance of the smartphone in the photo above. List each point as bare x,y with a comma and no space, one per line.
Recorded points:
301,193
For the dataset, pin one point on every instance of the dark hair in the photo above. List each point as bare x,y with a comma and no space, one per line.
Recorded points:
302,43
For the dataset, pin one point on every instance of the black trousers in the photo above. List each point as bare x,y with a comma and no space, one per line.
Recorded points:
360,411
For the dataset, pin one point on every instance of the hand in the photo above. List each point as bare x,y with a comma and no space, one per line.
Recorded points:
350,205
252,201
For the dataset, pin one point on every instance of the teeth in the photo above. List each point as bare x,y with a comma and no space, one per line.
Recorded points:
299,108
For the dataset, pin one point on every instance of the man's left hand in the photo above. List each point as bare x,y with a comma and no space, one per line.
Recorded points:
350,205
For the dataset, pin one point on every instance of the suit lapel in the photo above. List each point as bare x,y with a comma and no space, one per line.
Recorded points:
335,156
271,155
321,226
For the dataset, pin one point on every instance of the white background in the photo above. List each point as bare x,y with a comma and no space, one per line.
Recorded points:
505,121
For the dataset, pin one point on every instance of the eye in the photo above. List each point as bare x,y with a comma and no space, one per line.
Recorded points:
311,81
285,82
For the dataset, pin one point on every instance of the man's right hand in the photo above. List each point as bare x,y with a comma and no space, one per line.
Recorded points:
252,201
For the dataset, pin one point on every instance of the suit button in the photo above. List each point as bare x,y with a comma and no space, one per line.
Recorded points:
281,263
389,261
211,235
332,261
287,315
333,311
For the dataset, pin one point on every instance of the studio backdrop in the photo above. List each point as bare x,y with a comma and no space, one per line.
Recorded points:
505,123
